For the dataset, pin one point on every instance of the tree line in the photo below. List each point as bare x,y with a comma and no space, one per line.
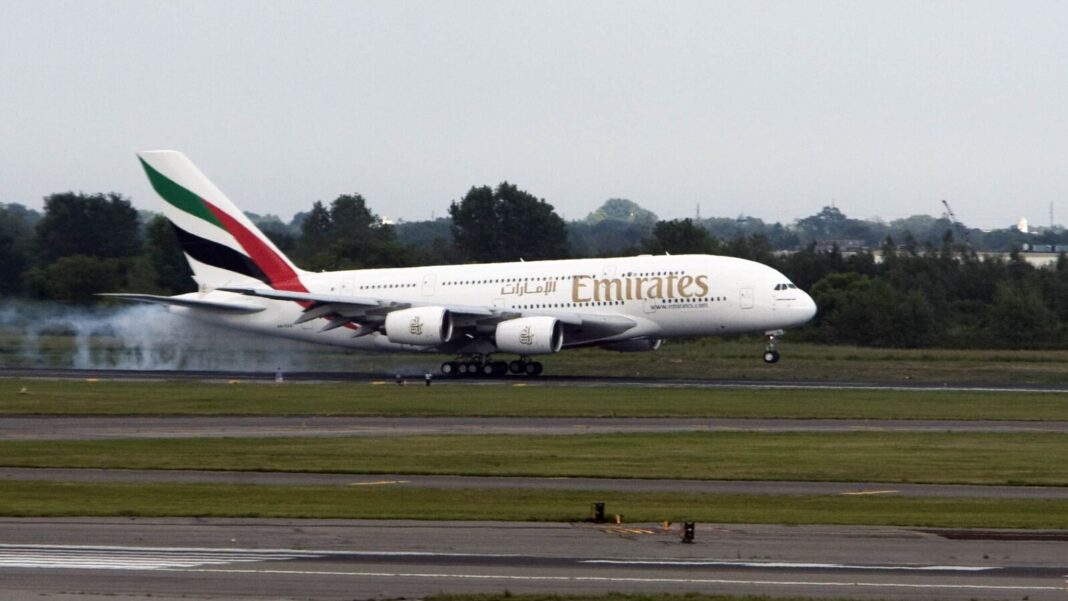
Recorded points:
928,288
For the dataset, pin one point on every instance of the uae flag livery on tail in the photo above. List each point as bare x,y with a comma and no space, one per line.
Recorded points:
223,247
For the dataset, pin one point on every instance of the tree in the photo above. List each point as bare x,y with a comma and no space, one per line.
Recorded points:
680,237
97,225
164,256
507,224
860,310
16,239
76,278
621,209
347,236
1019,318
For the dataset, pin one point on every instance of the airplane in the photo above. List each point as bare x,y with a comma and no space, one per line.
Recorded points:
473,312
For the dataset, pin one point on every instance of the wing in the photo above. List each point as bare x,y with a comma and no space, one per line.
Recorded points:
475,322
189,303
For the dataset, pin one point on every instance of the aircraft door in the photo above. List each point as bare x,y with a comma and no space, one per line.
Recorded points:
648,304
429,284
745,299
343,288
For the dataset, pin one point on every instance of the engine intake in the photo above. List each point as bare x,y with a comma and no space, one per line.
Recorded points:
420,325
530,336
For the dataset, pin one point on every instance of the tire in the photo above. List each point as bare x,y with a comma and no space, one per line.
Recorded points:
771,357
533,368
448,369
487,369
516,367
474,368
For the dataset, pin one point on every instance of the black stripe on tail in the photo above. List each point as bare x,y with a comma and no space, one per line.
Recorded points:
218,255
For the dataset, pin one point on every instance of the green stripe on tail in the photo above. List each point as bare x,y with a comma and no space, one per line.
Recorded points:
178,196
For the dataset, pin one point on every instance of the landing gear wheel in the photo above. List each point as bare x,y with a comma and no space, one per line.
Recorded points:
517,367
448,369
771,356
486,369
533,368
474,368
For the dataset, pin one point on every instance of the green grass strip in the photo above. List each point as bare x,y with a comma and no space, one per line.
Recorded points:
962,458
38,499
57,397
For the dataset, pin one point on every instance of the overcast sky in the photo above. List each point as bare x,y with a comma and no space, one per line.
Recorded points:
769,109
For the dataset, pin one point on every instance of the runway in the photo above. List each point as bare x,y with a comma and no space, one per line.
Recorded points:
287,559
66,427
543,380
740,487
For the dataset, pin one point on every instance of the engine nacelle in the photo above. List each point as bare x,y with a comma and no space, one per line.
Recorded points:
419,325
530,335
639,345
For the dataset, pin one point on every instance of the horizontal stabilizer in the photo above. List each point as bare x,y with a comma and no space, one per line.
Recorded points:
189,303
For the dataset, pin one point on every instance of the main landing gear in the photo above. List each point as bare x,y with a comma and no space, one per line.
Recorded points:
770,354
479,366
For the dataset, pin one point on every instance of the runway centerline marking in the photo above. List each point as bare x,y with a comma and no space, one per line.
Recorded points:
860,493
379,483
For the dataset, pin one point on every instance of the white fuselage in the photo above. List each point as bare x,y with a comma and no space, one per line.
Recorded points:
667,296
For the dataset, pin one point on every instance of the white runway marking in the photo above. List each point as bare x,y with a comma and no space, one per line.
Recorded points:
133,558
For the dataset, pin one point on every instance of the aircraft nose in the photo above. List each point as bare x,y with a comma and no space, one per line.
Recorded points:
806,308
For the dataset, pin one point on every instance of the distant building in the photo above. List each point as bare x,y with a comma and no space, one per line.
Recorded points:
844,245
1022,225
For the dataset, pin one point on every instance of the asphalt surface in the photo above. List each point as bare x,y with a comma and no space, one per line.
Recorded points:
286,559
66,427
546,380
590,484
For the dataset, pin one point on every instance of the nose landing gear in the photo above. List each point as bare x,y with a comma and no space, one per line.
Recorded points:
770,354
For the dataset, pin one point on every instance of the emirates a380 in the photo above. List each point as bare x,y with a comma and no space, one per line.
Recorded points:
476,313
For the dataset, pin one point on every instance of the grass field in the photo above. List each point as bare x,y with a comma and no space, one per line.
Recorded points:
1024,459
36,499
51,397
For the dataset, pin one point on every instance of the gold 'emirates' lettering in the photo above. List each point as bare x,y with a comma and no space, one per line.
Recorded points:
586,289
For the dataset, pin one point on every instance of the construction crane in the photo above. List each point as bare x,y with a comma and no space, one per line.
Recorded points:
956,222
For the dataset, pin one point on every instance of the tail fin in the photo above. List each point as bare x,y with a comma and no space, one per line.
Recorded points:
223,247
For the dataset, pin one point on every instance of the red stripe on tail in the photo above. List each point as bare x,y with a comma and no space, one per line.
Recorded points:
274,266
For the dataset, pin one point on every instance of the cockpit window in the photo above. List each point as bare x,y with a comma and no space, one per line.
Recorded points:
785,287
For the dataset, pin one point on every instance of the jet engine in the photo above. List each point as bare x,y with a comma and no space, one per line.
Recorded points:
638,345
530,336
419,325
